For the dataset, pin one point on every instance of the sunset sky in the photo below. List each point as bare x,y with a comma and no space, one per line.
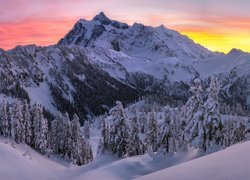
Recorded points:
219,25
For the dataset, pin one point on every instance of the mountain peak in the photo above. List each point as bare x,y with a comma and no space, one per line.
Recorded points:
235,51
102,18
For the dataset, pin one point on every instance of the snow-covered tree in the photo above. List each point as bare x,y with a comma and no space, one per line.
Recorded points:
239,132
18,131
105,140
212,118
27,123
151,139
167,142
234,130
40,126
4,122
68,139
86,129
142,120
81,150
194,131
57,134
229,127
119,131
76,135
247,131
135,146
183,121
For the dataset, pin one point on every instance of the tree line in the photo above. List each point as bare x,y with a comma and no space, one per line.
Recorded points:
197,124
27,124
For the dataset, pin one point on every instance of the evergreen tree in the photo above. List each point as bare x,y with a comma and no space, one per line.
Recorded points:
105,140
57,137
86,129
27,123
194,131
4,125
142,121
247,131
40,126
212,117
135,146
229,127
76,134
81,150
167,141
119,131
151,139
68,139
18,132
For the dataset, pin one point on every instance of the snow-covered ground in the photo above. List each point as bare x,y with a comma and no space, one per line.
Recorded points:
22,162
231,163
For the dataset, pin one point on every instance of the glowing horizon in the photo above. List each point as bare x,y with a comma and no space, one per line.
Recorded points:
217,25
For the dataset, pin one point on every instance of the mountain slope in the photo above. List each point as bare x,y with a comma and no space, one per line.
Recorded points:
231,163
22,162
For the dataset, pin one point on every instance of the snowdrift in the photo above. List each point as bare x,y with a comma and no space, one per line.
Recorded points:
231,163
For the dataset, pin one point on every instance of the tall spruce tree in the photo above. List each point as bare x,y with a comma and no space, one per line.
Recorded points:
194,131
18,132
119,131
212,118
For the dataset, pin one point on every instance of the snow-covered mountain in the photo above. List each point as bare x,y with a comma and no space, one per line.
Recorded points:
103,60
148,49
129,53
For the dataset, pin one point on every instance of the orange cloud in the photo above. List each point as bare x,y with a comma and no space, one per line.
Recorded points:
215,33
33,32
